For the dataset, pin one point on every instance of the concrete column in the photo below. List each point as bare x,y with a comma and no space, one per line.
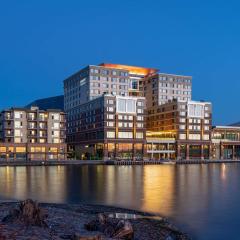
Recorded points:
233,152
152,151
221,151
105,152
187,152
210,151
178,151
202,152
133,152
168,156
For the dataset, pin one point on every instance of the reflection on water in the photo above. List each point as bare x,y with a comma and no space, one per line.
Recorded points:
202,199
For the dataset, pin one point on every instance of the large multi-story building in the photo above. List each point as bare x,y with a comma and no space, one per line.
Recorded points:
179,130
33,133
108,127
176,126
96,80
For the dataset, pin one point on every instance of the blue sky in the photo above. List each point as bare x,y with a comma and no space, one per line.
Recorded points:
42,42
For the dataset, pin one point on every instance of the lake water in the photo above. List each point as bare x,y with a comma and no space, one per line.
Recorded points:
203,200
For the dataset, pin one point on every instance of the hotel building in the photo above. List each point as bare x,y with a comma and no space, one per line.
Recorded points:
108,127
176,126
179,130
32,133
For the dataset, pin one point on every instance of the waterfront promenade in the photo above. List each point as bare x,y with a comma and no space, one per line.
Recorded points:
108,162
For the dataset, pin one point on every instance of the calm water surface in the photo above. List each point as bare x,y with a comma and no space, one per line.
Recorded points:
203,200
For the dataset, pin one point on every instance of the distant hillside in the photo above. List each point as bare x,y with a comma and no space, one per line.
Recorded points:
56,102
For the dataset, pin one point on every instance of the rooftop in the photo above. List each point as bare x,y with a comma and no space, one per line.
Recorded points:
132,69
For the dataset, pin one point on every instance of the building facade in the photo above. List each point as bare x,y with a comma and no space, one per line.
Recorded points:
176,126
226,142
33,133
179,130
108,127
159,88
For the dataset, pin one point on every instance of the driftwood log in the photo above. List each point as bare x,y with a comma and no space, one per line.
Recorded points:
120,229
28,212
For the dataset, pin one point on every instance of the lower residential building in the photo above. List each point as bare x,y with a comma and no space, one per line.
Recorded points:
226,142
108,127
32,134
179,130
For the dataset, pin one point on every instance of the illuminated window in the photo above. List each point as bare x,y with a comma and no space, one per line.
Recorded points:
110,124
17,140
17,124
139,135
110,116
205,137
125,135
20,149
110,134
182,136
194,136
17,133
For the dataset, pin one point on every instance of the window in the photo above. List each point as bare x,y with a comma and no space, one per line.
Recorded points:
55,133
182,136
120,124
110,101
110,116
206,128
110,124
56,125
42,140
110,109
182,127
17,124
17,140
18,114
55,140
126,105
205,137
140,125
139,135
110,134
17,133
194,136
55,116
140,118
140,110
125,135
182,120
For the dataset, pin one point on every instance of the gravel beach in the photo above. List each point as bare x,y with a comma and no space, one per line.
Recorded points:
68,221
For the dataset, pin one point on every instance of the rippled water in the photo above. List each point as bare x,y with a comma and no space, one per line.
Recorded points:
202,199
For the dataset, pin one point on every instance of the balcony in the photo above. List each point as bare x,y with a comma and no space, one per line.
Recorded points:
32,126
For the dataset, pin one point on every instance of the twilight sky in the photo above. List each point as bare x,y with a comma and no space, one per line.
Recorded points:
42,42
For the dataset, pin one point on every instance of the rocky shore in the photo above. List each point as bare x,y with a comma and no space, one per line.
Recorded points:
30,220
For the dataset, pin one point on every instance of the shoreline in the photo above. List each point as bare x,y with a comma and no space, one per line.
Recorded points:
65,220
102,162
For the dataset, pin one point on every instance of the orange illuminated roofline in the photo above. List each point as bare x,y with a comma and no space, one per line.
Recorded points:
131,69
